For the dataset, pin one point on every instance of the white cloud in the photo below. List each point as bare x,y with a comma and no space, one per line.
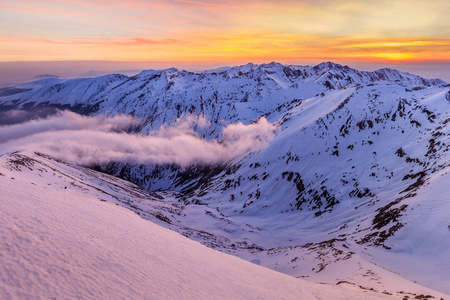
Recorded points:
101,140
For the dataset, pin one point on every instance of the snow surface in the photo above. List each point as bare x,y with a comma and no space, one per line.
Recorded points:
61,243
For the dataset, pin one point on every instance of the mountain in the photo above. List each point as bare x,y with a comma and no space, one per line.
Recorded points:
353,181
232,94
62,239
64,243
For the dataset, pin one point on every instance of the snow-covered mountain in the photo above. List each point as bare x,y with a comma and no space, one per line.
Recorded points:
59,241
354,181
62,238
228,94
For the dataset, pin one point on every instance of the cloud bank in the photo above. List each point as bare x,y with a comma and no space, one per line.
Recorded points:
99,140
11,117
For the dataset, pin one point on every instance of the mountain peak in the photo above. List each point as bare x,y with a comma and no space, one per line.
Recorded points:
171,70
331,65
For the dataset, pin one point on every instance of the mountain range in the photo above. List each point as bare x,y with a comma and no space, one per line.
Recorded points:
323,172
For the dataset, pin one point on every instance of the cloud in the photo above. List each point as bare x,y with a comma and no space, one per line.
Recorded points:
101,40
208,4
11,117
142,41
70,12
62,122
100,140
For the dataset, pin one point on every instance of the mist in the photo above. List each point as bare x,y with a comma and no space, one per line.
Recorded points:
10,117
96,140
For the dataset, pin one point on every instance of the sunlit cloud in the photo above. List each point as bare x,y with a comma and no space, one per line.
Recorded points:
396,44
225,32
214,5
55,11
392,56
109,41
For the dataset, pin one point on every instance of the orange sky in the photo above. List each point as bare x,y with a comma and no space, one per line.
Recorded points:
226,32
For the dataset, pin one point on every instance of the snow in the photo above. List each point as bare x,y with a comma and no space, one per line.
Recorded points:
339,131
61,243
422,246
41,82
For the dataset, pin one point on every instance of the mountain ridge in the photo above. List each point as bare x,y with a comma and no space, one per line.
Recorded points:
318,71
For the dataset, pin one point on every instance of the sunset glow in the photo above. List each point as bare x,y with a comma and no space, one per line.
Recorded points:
225,32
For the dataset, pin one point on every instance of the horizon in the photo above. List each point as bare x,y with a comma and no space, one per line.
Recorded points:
16,73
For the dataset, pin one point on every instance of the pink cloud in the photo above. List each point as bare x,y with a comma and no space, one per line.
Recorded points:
208,4
55,11
109,41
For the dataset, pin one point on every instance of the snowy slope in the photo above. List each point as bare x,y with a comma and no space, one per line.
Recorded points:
353,183
58,230
366,169
64,243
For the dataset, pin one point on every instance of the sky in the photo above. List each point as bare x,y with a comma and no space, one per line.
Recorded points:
83,37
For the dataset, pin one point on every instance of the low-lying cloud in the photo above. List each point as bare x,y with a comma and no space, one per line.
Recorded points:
100,140
10,117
